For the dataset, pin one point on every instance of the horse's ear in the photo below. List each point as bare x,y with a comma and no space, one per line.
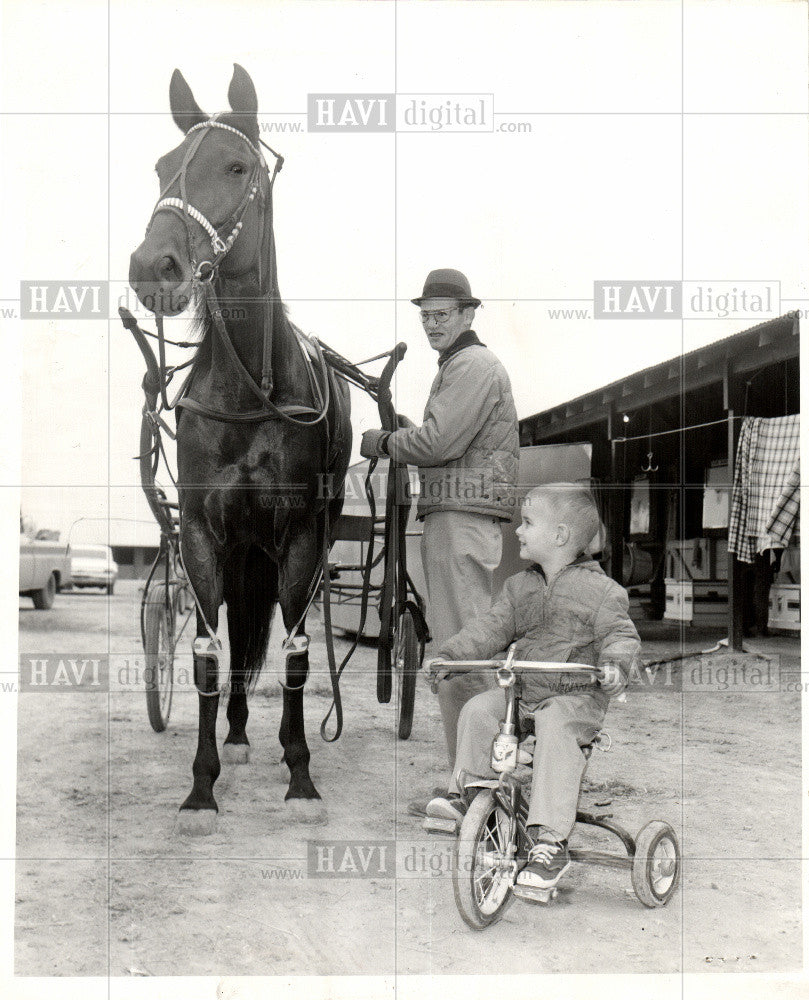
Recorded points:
243,99
184,109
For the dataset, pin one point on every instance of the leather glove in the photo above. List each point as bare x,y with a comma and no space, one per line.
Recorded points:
372,442
403,422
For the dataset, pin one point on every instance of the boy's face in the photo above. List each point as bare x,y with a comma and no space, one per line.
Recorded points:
539,532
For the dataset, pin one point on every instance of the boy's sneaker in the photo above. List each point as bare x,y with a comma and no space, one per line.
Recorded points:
418,807
448,806
547,863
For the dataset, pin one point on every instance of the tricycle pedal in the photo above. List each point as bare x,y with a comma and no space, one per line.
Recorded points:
533,894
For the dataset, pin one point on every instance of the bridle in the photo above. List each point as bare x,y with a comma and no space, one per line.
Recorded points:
181,206
204,273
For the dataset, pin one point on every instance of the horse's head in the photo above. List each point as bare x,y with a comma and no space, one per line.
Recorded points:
213,189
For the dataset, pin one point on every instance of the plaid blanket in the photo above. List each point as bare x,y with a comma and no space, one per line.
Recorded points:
766,486
785,515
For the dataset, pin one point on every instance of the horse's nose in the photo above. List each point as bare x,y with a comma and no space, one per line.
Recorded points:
167,269
164,268
157,278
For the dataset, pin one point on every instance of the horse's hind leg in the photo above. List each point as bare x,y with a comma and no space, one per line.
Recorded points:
198,813
297,573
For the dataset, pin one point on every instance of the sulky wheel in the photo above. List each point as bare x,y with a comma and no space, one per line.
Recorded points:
483,872
656,864
159,628
406,660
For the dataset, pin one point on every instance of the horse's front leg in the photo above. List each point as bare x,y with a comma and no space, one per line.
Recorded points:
198,812
297,572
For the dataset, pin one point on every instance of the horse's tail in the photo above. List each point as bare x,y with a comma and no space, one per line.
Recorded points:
250,591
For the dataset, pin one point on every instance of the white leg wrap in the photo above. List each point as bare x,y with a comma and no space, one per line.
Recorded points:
211,650
294,645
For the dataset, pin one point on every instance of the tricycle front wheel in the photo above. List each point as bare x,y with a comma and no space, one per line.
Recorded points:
483,869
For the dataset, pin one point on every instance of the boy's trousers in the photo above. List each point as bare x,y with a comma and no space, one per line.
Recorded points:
563,724
460,552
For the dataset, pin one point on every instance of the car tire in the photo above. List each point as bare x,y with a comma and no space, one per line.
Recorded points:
43,599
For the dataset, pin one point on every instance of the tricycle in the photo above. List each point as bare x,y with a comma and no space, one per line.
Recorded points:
492,841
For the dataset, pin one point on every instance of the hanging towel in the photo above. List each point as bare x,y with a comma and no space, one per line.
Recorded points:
766,464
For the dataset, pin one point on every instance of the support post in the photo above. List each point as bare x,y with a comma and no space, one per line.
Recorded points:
730,393
616,501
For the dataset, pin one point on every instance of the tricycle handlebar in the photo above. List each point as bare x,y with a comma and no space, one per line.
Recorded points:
535,665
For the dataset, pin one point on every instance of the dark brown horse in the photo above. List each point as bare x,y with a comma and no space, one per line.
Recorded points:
258,426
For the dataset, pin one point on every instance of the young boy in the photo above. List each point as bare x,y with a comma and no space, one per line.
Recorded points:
564,608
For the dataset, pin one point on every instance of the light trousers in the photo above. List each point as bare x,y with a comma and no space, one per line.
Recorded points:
563,724
460,552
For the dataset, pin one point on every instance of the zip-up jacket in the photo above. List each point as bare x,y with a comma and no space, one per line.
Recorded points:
467,447
580,615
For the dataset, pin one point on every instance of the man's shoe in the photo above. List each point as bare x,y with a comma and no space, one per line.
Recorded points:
418,807
447,806
547,863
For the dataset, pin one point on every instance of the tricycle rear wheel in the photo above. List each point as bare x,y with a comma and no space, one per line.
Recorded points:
656,864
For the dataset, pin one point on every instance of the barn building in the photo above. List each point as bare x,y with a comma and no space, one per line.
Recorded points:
664,443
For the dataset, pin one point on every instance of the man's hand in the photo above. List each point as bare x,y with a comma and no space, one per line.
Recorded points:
610,678
403,422
372,442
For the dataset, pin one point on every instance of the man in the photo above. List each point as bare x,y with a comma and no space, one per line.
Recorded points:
467,450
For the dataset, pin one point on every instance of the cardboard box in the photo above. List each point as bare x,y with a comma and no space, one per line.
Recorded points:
785,607
697,559
697,602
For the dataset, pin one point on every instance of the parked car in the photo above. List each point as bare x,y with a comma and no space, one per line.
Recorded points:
93,566
44,569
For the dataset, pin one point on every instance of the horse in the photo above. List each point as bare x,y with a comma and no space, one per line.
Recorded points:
261,426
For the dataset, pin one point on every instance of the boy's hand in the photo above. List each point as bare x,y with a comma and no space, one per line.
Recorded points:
434,674
610,678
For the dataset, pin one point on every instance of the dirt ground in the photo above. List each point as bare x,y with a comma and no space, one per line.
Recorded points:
105,886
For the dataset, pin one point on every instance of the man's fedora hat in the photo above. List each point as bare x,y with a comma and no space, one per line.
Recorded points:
446,283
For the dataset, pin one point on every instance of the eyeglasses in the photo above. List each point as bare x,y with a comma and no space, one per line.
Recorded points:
439,315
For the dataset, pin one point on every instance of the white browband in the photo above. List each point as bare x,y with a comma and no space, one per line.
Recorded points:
219,245
213,123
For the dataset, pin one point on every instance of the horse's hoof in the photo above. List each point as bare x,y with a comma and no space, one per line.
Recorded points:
307,810
195,822
235,753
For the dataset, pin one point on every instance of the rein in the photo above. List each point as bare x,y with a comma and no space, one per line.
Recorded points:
204,273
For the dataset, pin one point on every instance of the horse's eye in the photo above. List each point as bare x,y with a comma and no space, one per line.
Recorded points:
237,168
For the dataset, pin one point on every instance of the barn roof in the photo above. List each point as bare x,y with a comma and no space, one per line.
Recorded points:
764,344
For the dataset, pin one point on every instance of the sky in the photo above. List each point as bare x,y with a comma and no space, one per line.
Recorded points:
665,142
